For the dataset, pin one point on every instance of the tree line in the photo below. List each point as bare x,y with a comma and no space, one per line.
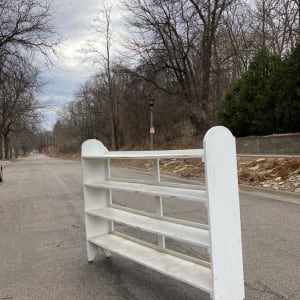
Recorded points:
26,36
183,53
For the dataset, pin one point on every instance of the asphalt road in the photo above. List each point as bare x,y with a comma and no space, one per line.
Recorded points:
42,241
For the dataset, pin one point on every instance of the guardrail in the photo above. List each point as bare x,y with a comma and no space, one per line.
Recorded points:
222,276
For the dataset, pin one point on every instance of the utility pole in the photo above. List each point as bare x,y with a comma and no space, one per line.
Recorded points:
152,129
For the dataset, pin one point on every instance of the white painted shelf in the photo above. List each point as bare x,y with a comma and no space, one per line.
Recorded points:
155,190
189,153
186,271
196,236
223,276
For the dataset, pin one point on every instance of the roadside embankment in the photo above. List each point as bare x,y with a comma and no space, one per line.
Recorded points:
270,172
277,173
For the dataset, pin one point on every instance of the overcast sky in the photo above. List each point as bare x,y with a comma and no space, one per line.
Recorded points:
73,21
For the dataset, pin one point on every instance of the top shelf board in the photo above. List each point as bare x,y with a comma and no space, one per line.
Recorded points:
188,153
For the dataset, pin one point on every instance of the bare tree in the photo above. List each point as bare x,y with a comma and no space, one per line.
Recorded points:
101,54
277,24
209,17
176,38
26,32
17,100
26,25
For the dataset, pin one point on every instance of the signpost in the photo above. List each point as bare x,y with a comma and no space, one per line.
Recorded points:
152,130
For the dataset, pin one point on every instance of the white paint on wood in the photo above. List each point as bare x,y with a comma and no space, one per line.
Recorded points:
158,200
187,153
196,236
224,214
224,280
186,271
94,170
165,191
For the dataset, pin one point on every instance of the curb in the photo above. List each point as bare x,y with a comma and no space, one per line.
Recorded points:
270,194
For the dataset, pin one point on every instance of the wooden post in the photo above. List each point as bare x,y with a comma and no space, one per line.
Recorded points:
224,214
94,198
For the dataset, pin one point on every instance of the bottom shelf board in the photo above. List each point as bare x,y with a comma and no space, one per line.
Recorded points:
178,268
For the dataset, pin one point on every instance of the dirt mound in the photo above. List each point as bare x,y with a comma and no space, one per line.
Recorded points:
275,173
269,172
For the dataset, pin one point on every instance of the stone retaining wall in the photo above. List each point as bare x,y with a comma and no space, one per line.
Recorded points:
285,144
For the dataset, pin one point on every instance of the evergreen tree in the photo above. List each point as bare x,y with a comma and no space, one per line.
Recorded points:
265,99
286,83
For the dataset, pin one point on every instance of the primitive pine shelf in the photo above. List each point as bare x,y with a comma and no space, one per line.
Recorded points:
222,277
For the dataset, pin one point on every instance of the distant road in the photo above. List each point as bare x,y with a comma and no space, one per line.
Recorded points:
42,242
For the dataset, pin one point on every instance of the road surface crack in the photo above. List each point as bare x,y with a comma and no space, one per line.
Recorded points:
265,289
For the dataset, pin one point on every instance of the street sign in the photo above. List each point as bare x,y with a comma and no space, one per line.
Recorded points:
152,129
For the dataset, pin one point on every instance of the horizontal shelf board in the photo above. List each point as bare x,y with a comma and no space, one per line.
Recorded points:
186,271
191,186
187,153
164,218
155,190
196,236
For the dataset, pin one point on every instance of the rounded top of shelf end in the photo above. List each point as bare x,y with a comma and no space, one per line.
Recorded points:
93,147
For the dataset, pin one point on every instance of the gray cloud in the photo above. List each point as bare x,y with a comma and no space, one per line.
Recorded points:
75,16
73,20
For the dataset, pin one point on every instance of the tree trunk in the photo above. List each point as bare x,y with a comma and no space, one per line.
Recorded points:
1,146
10,151
205,83
6,147
114,136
